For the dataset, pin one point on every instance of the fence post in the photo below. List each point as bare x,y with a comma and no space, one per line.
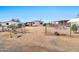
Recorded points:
70,30
45,29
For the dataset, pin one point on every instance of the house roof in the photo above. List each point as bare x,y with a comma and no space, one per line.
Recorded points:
61,20
74,20
37,21
10,21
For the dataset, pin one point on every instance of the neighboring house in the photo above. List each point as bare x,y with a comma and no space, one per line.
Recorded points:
74,21
28,24
34,23
4,25
7,23
62,22
37,23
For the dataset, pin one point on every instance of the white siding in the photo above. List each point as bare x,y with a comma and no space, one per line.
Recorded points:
9,23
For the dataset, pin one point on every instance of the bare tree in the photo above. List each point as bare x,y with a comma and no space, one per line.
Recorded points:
77,16
13,29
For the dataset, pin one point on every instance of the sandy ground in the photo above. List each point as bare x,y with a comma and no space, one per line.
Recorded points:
35,40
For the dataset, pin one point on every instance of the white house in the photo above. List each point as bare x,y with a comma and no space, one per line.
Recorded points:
7,23
74,21
4,25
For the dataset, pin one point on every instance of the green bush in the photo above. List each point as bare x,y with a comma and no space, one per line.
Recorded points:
0,25
19,25
74,28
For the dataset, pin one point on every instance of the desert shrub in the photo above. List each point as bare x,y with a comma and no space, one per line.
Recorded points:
13,27
19,25
0,25
56,33
74,28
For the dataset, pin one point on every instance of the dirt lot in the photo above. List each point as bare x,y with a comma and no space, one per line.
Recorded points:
35,40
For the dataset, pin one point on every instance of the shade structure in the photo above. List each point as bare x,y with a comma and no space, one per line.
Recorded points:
73,20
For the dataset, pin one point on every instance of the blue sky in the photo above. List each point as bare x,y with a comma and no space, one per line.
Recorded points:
45,13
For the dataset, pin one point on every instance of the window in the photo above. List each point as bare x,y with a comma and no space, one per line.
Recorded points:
33,22
7,23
